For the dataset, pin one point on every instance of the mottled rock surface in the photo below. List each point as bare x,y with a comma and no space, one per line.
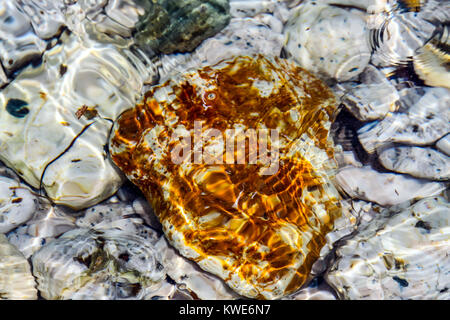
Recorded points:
386,189
179,26
18,42
93,264
48,222
256,226
243,36
424,123
402,254
16,280
55,119
419,162
374,98
17,204
328,40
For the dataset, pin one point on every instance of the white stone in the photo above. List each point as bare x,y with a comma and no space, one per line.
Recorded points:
384,188
16,280
103,216
17,204
46,16
424,123
92,264
347,158
355,214
25,243
84,176
328,40
435,10
52,135
190,277
402,254
444,145
48,222
419,162
18,42
129,219
373,98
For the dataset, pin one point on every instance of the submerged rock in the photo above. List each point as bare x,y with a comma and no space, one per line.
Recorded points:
46,16
18,42
277,8
189,277
444,145
94,264
374,98
424,123
17,204
402,254
386,189
16,280
48,222
179,26
55,119
419,162
259,224
328,40
432,61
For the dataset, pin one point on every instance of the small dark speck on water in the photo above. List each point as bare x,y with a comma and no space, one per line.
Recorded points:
62,69
17,108
423,225
124,256
401,282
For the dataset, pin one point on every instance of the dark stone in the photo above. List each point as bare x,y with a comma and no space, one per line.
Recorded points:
170,26
401,282
17,108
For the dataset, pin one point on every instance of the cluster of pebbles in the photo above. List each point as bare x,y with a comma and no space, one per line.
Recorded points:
73,227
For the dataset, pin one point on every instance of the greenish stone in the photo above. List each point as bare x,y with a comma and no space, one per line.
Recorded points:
170,26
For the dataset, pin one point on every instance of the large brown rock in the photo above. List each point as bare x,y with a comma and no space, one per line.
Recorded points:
259,225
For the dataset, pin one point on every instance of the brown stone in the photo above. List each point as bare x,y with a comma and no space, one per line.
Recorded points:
259,232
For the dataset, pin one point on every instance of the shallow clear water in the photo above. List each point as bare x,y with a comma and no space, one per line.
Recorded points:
342,193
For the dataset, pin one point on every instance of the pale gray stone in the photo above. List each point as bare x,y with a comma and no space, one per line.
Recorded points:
92,264
424,123
16,280
402,254
419,162
18,42
386,189
17,204
328,40
373,98
444,145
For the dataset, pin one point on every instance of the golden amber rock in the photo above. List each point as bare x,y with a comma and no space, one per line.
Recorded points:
257,224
